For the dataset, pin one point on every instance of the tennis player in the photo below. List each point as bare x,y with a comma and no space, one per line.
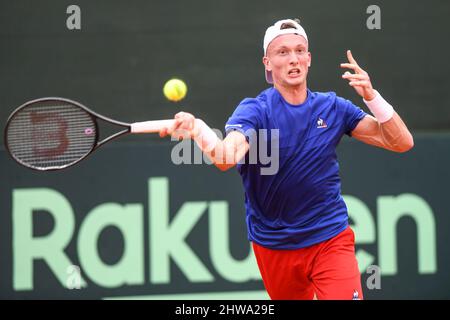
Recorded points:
297,220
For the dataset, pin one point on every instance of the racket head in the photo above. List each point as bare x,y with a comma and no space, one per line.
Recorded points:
51,133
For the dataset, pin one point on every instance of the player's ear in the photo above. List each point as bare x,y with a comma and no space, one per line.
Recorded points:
309,59
266,63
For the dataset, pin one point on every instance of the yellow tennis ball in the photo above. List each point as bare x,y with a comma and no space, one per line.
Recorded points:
175,89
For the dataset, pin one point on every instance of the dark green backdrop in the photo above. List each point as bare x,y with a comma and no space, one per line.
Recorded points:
118,63
125,51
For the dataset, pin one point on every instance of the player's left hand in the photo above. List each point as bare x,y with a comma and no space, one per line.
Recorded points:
359,80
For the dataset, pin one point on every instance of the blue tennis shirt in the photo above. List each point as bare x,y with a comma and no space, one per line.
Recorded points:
300,204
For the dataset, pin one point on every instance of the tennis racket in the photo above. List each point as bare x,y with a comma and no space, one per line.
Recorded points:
56,133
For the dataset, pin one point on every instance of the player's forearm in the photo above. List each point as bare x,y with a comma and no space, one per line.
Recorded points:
222,153
221,156
396,135
393,131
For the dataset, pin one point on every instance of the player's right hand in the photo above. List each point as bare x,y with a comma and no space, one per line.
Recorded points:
182,127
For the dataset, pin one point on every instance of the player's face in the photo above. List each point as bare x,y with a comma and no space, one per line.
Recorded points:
288,59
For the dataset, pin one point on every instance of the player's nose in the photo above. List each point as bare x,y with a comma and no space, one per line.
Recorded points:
293,59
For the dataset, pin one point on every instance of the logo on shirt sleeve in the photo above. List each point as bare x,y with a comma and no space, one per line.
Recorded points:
321,123
233,125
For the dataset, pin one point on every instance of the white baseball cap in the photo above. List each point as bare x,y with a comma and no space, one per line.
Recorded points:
278,29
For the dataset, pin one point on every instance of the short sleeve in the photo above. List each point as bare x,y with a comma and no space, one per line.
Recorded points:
352,114
246,118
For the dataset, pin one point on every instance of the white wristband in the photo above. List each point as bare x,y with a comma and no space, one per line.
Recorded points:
380,108
207,138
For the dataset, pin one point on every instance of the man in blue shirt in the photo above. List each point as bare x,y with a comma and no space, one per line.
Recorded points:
296,217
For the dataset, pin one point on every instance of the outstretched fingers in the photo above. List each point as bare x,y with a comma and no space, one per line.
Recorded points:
354,76
352,64
363,83
350,58
354,67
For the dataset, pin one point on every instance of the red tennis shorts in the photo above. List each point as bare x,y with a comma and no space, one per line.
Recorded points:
327,270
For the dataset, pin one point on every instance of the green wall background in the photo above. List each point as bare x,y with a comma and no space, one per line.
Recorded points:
117,65
119,61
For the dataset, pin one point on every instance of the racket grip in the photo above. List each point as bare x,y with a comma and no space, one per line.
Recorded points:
153,126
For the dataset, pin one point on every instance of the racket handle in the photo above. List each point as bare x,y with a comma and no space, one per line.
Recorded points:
153,126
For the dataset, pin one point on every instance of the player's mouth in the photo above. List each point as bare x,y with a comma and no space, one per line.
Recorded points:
294,72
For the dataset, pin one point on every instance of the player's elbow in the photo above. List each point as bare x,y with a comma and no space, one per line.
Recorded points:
224,166
407,145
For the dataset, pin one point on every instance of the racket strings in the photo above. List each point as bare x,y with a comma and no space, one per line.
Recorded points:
51,134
